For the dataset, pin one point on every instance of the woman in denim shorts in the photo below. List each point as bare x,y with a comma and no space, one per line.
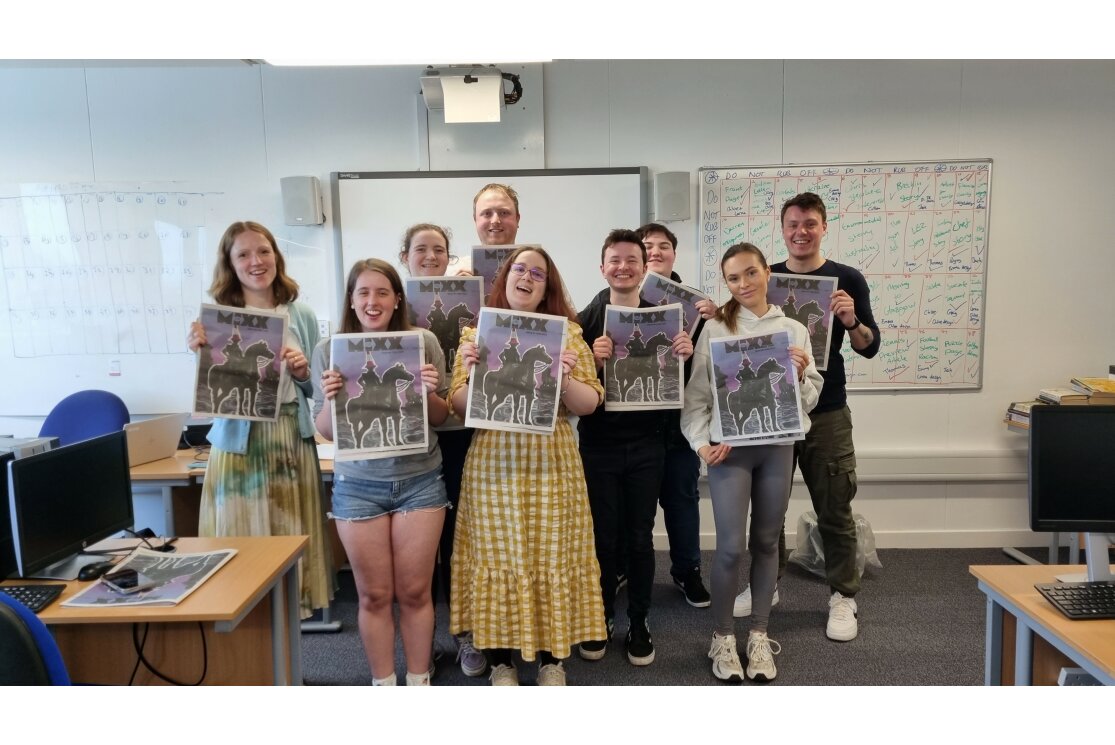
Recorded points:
389,511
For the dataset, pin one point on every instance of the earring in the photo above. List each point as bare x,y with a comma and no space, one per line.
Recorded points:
396,306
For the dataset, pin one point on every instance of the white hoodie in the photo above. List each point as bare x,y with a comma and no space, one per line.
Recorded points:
696,416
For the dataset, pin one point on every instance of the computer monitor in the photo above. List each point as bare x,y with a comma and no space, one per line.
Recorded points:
66,499
1072,476
7,553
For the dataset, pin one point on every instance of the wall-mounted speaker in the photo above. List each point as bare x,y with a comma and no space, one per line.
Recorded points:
302,200
671,196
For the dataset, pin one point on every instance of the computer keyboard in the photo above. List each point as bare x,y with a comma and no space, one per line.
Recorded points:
1081,600
35,597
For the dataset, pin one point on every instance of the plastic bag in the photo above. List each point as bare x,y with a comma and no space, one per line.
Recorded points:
810,552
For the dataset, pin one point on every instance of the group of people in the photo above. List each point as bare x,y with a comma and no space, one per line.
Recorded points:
530,536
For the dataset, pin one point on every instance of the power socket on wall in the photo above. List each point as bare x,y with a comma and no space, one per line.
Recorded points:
322,328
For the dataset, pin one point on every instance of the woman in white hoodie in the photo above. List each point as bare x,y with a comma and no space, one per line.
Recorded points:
758,475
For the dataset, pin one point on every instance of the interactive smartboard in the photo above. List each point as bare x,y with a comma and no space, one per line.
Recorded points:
918,231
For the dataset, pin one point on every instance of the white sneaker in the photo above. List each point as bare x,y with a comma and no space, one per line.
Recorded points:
742,607
504,675
551,675
725,658
760,657
842,626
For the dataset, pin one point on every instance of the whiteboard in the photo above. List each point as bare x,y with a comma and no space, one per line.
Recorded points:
568,212
918,231
98,284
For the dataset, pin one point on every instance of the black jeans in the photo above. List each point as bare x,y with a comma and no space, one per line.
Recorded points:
680,501
454,447
624,479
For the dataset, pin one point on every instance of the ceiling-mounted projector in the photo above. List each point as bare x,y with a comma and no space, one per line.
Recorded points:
467,93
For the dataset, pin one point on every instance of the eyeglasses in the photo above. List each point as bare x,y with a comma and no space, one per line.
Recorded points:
519,269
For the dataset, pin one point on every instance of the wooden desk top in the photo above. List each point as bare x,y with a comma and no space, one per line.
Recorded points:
1093,639
226,596
178,467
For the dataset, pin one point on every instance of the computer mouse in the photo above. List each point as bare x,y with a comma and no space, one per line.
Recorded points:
90,572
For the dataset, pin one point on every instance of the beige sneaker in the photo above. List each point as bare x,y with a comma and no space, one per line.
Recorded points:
551,675
760,657
742,607
842,625
725,658
504,675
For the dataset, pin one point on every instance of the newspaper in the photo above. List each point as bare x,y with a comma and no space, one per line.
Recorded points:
444,305
659,290
176,576
757,400
240,371
515,385
487,260
381,410
807,300
643,372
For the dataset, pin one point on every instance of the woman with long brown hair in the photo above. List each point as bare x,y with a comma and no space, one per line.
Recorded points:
525,574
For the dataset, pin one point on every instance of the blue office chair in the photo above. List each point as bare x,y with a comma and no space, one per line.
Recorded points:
29,652
85,414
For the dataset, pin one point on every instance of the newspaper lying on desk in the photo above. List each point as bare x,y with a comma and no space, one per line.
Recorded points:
176,575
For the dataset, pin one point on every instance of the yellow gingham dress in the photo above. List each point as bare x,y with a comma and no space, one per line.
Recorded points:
524,567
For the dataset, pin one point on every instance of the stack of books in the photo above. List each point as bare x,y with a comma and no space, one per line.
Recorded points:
1062,396
1018,415
1097,390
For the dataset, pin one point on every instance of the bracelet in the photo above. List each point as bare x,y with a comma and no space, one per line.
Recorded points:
565,389
854,326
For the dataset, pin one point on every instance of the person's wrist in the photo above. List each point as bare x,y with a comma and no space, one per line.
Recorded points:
855,325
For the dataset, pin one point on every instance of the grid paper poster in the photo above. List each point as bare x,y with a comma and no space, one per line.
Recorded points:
380,412
486,261
240,370
808,301
756,399
659,290
643,372
515,385
444,305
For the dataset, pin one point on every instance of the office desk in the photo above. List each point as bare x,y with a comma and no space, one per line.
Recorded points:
1028,640
248,610
162,479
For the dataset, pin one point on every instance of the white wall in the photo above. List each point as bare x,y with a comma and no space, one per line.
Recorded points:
938,468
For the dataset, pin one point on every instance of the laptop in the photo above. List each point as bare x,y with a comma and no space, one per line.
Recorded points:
155,438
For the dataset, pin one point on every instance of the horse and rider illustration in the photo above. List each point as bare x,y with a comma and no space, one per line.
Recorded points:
235,383
642,367
810,315
376,414
515,384
447,327
754,404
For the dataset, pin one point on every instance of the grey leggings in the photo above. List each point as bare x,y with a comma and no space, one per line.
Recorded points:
759,476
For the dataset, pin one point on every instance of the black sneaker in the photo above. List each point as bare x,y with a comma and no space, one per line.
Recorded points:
694,589
596,649
640,648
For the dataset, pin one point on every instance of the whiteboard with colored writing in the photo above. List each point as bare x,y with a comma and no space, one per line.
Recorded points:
918,231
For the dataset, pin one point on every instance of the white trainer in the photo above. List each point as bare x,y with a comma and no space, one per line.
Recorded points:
760,657
725,658
742,607
842,626
551,675
504,675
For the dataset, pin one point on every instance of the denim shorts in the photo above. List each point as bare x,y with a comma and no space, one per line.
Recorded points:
361,499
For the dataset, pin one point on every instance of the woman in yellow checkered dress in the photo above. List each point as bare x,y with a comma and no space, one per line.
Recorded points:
525,575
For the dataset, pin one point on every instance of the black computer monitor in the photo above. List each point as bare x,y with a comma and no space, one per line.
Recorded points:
1072,476
7,553
66,499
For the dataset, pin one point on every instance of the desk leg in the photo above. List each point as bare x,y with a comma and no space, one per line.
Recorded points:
993,653
1023,653
168,509
293,624
325,625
